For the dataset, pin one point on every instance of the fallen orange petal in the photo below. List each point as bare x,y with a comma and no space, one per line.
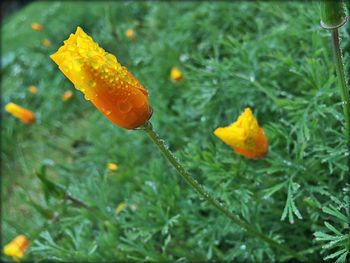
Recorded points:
67,95
23,114
33,89
130,33
46,42
175,74
37,27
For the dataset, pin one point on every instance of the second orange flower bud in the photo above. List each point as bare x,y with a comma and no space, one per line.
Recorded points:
17,247
245,136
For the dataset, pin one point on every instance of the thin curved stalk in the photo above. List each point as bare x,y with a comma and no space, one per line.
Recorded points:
344,89
201,191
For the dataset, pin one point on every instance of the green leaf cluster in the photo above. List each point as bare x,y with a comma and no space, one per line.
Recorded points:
270,56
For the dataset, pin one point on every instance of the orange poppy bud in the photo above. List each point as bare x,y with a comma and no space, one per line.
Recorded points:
109,85
175,74
37,27
245,136
67,95
33,89
24,115
46,42
130,33
17,247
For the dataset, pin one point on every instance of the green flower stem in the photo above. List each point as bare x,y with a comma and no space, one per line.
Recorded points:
344,89
199,188
304,252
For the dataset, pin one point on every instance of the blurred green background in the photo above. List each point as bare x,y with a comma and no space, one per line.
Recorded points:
272,57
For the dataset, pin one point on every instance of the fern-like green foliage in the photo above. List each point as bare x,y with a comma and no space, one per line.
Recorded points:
272,57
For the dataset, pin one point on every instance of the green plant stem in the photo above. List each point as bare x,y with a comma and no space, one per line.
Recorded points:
199,188
303,252
344,89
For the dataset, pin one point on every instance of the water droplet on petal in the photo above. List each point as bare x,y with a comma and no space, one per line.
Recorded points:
124,106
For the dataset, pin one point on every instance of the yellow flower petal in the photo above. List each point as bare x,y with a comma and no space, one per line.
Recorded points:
120,207
109,85
245,136
175,74
24,115
112,166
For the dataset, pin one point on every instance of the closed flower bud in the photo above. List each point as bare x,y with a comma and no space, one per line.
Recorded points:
17,247
333,14
245,136
24,115
109,85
